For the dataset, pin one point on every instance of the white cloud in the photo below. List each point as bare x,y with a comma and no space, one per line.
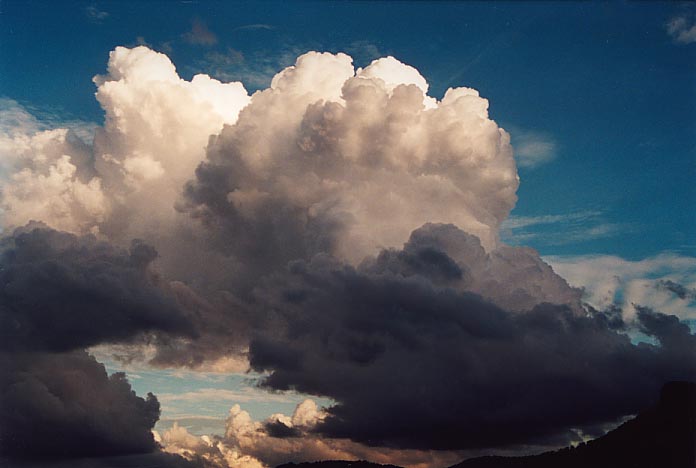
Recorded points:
247,444
44,177
682,29
612,280
157,126
518,222
392,157
559,229
365,150
533,148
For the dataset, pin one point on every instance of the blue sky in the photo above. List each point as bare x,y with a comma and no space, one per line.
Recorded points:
600,100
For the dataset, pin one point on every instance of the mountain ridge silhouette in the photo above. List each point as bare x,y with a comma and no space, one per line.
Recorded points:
662,436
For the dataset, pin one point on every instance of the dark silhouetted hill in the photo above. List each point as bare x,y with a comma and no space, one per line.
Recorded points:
337,464
663,436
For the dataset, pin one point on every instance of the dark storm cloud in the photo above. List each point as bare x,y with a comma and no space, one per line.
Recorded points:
146,460
514,278
280,430
66,405
681,291
60,292
277,233
414,362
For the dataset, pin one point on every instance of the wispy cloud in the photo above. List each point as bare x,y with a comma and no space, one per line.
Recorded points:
559,229
251,27
25,119
244,395
532,148
666,282
95,15
364,51
255,70
516,222
682,28
200,34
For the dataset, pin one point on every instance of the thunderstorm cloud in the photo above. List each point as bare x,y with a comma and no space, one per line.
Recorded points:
338,232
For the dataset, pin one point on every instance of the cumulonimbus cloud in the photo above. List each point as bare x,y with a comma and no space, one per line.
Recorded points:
337,231
65,405
381,341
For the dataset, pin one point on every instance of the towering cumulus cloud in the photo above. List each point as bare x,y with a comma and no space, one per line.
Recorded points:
333,160
336,232
157,127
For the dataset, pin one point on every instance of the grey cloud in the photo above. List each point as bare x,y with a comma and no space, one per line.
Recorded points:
333,159
65,405
95,15
681,291
149,460
414,362
280,430
682,28
514,278
61,292
58,293
200,34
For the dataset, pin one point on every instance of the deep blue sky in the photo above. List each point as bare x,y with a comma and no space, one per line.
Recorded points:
605,83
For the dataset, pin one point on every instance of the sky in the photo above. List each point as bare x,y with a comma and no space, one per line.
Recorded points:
280,205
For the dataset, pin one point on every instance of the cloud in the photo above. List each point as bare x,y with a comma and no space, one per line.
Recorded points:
533,149
47,177
62,292
65,405
682,29
381,344
255,69
200,34
330,159
19,120
126,184
364,51
281,439
518,222
563,229
662,282
155,459
680,290
337,231
95,15
252,27
245,394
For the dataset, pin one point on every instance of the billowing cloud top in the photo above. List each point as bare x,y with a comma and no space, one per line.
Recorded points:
330,160
368,156
337,231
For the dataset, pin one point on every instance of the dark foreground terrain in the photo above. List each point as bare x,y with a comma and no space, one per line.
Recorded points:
337,464
663,436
